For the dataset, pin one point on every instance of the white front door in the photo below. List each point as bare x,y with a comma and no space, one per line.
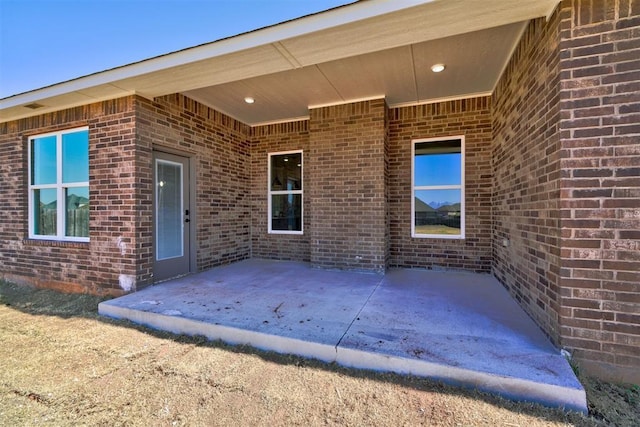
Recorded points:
172,216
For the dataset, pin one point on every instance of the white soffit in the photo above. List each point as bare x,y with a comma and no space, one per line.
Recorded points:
431,21
402,75
352,30
278,96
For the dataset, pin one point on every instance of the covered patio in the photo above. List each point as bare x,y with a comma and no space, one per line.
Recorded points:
458,327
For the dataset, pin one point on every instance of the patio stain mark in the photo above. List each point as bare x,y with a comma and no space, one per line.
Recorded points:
277,310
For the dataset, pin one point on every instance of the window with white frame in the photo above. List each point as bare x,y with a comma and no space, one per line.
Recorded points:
59,185
285,192
437,202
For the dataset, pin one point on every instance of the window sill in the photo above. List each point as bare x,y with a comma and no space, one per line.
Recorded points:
285,232
55,243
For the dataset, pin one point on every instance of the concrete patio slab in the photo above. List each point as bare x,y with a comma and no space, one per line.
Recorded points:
462,328
458,327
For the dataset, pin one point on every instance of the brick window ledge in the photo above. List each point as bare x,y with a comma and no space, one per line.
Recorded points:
55,243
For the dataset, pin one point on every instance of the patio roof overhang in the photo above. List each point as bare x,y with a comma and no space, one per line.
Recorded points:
368,49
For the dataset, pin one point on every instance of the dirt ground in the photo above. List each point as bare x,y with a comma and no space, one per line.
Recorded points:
62,364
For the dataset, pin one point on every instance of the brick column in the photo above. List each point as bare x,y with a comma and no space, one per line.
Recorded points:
347,186
526,175
600,186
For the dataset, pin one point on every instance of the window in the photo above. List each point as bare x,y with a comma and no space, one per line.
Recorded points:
59,186
437,203
285,192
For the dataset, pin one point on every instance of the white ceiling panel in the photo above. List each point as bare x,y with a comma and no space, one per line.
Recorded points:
277,96
103,91
221,69
63,101
429,21
388,73
474,62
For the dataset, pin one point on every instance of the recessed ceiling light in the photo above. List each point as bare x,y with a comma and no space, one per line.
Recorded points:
437,68
249,100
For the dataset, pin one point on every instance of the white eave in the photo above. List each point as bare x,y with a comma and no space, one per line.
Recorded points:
310,50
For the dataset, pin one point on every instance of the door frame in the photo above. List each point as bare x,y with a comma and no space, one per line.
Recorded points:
191,188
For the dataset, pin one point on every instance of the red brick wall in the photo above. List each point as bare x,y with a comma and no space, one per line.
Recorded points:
526,175
346,186
468,117
269,139
387,190
220,147
122,133
108,263
600,141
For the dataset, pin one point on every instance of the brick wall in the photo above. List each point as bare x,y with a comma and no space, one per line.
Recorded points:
468,117
600,140
346,186
122,134
526,175
387,190
108,263
220,149
270,139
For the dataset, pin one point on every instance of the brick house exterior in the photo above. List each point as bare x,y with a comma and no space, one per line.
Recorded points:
552,185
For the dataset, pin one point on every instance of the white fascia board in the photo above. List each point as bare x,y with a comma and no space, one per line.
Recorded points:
275,122
290,29
442,99
347,101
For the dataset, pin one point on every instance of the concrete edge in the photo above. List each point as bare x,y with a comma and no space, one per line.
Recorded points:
230,335
516,389
567,398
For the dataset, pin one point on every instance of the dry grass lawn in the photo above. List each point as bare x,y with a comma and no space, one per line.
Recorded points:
62,364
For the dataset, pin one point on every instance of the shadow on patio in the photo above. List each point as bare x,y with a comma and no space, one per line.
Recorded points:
461,328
